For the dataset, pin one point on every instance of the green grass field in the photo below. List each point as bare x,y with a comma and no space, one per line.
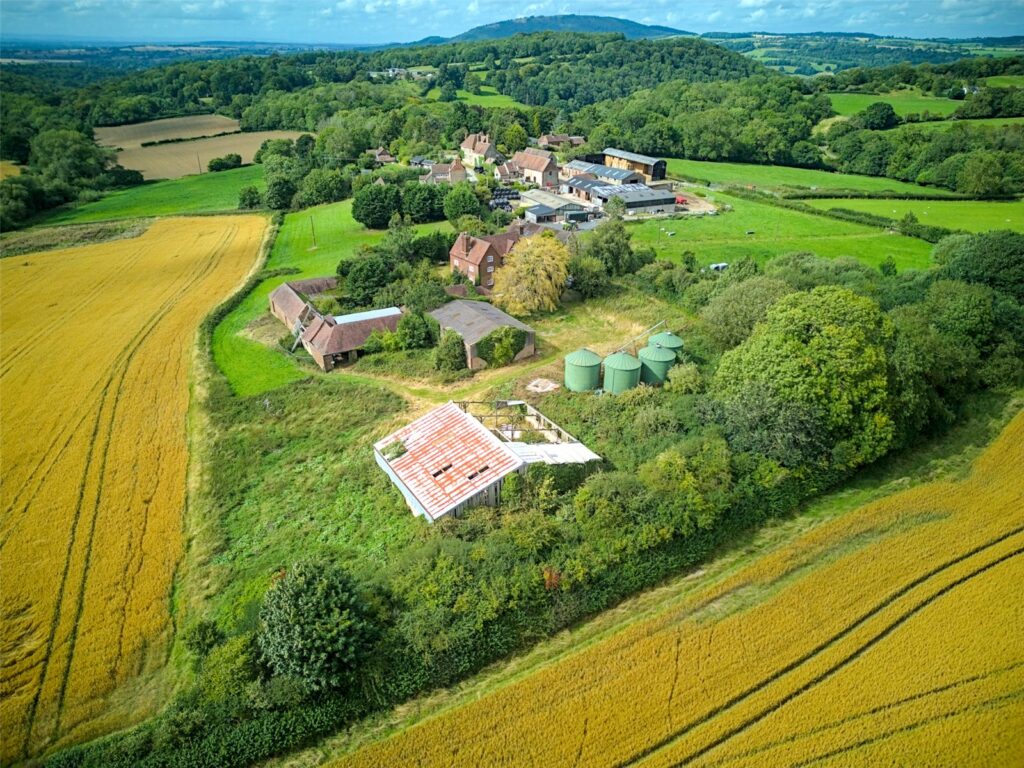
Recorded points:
945,125
488,97
903,102
205,193
970,215
1005,81
775,231
251,366
778,176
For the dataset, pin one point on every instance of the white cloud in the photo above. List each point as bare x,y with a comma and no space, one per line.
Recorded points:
713,17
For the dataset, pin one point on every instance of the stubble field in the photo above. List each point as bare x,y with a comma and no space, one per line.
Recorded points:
191,127
184,158
888,636
97,352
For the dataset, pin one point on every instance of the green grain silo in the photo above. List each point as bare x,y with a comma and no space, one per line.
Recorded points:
668,340
582,371
654,364
621,372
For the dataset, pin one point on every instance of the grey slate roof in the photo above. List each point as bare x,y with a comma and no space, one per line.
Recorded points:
473,320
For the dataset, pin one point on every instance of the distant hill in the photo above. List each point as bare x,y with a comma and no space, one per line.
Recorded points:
565,23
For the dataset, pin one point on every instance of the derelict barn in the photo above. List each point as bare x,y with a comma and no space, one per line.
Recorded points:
475,320
450,460
329,339
332,339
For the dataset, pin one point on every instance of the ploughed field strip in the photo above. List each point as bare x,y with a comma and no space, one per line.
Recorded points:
97,349
890,635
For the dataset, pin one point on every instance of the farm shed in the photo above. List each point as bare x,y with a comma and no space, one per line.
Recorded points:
652,168
330,339
452,459
557,203
289,302
475,320
538,214
604,173
638,198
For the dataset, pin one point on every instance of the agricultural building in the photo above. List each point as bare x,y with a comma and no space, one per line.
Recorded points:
458,455
332,339
475,320
562,206
604,173
559,140
652,168
381,155
638,198
289,302
535,166
477,149
668,340
621,372
655,363
582,371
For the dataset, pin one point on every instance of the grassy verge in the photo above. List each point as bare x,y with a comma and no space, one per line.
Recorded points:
970,215
206,193
945,457
777,177
765,231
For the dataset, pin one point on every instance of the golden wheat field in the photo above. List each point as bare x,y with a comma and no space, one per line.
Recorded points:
97,345
893,635
8,169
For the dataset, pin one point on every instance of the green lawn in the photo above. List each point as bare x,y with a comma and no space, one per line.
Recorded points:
971,215
775,231
1005,81
904,102
251,366
204,193
778,176
488,97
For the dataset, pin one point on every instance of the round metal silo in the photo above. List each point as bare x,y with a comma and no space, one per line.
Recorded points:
668,340
621,372
582,371
655,363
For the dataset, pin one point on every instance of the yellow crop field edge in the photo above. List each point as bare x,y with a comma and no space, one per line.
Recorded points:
875,636
98,347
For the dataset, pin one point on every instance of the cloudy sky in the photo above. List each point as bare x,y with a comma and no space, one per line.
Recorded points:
379,21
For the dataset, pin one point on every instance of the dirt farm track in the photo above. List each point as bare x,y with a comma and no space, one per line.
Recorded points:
97,346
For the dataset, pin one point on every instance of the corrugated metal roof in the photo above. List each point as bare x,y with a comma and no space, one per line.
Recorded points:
601,171
623,154
449,457
554,453
371,314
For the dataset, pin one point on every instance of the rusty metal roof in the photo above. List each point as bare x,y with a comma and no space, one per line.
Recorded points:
449,457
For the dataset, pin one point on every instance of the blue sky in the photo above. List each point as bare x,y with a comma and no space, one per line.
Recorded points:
379,21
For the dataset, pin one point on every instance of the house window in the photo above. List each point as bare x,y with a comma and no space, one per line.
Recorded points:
490,269
490,259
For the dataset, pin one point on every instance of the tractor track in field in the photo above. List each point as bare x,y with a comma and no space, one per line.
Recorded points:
823,646
118,371
997,701
876,710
